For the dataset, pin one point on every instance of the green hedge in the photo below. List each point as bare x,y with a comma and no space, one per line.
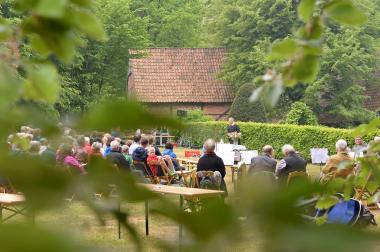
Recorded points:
256,135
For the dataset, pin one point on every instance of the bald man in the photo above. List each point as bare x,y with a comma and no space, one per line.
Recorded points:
265,162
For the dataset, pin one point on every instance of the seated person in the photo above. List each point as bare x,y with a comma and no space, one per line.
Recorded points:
290,163
155,162
34,148
96,149
265,162
125,152
211,162
46,152
135,144
65,157
339,165
168,151
140,155
80,152
152,143
117,158
107,139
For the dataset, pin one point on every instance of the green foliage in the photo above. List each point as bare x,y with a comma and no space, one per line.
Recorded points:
347,66
171,23
301,114
53,29
196,116
331,58
245,111
100,70
247,28
256,135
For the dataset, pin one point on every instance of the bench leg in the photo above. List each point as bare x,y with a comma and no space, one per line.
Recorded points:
146,218
180,231
118,222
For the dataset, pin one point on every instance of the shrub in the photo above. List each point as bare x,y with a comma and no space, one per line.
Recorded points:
245,111
197,116
301,114
256,135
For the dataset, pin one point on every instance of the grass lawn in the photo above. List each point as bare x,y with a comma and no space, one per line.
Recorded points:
79,221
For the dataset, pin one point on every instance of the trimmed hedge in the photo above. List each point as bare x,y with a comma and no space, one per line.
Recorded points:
256,135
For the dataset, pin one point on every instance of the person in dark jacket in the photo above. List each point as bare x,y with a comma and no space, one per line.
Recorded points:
140,155
117,158
265,162
211,162
233,132
290,163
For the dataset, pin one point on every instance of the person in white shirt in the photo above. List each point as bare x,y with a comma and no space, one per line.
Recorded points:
135,144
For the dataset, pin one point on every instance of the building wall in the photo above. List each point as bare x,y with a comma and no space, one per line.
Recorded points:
218,111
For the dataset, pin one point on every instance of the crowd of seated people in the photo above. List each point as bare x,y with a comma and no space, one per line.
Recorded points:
340,165
142,155
75,151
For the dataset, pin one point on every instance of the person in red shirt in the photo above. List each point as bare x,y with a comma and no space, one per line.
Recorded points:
87,146
154,161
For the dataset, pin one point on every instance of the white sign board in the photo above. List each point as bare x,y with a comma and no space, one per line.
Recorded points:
228,157
319,155
226,152
246,156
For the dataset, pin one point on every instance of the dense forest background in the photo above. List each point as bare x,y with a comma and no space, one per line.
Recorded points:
246,28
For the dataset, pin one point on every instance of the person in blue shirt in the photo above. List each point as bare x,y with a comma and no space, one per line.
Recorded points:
168,151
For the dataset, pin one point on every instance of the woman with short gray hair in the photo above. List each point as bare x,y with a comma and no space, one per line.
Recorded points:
211,162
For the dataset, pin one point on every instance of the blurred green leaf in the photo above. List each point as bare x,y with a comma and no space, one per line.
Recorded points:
10,87
343,11
309,238
365,129
327,202
55,35
39,45
306,69
82,2
372,186
102,173
43,184
214,217
42,83
283,49
124,114
86,22
313,30
36,239
306,9
5,30
51,8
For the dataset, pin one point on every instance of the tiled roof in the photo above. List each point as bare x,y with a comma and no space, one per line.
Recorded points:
373,103
172,75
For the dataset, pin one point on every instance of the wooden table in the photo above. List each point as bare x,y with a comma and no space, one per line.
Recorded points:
9,202
181,192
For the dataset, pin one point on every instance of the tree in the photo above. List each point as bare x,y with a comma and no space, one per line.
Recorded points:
247,28
301,114
172,23
197,116
101,68
347,67
245,111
